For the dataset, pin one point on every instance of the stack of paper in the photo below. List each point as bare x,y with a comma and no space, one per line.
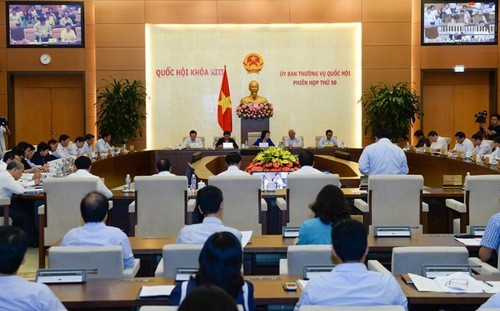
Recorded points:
454,283
156,291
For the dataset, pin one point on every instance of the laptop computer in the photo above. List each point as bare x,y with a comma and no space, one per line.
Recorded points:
273,179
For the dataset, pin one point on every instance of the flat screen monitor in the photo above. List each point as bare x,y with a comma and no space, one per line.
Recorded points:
48,24
273,180
459,23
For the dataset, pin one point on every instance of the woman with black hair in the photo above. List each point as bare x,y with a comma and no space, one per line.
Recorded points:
329,208
220,264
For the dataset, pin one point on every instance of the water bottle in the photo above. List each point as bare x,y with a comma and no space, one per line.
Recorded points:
127,182
262,183
192,186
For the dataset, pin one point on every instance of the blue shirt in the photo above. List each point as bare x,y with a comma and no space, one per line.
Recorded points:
18,294
492,303
491,237
383,158
243,299
351,284
259,140
98,234
313,231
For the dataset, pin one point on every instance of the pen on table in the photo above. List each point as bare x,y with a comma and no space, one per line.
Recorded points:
489,284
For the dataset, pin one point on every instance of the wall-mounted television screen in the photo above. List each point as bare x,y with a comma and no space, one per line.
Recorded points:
454,23
37,23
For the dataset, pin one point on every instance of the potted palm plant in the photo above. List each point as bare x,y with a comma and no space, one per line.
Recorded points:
394,107
120,109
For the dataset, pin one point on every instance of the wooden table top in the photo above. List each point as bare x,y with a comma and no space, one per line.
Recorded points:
278,244
111,293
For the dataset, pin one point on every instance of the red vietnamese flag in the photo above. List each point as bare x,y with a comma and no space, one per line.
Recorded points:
224,111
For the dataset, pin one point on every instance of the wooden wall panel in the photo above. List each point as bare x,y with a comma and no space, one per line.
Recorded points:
3,105
47,80
120,59
253,12
386,57
469,100
90,36
325,11
107,35
119,12
386,33
452,78
32,117
374,76
124,74
3,60
29,60
67,111
449,56
181,12
439,107
386,11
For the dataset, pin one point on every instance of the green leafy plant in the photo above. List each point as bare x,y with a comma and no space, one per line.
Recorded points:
120,109
394,107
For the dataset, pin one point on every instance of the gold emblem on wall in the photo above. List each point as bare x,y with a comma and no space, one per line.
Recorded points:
253,62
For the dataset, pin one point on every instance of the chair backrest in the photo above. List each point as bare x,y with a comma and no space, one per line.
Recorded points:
410,259
395,200
160,204
302,190
252,137
180,256
99,261
299,256
483,192
241,201
63,197
351,308
448,141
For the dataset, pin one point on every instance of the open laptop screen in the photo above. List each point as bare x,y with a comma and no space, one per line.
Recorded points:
273,180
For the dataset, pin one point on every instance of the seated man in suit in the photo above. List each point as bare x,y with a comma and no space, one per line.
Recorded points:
94,208
16,293
306,161
209,203
83,165
350,283
226,139
233,161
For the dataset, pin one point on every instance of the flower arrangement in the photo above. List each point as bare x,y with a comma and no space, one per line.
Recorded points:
255,111
274,159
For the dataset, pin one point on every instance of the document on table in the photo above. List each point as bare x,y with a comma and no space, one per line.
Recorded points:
156,291
246,236
470,242
454,283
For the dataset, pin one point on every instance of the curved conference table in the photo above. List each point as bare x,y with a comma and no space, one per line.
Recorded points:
432,167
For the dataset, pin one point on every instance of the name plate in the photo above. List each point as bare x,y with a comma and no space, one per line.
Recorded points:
312,270
52,276
380,231
263,145
477,230
227,146
433,271
184,274
290,232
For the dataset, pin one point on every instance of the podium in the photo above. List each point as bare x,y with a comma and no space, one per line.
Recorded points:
252,125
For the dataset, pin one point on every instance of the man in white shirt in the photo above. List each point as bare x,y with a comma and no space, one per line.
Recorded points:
350,283
233,161
94,208
328,140
16,293
21,210
88,145
383,157
306,161
292,140
463,144
480,146
83,165
192,141
102,145
4,131
7,157
164,167
438,143
77,147
496,153
62,148
209,202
